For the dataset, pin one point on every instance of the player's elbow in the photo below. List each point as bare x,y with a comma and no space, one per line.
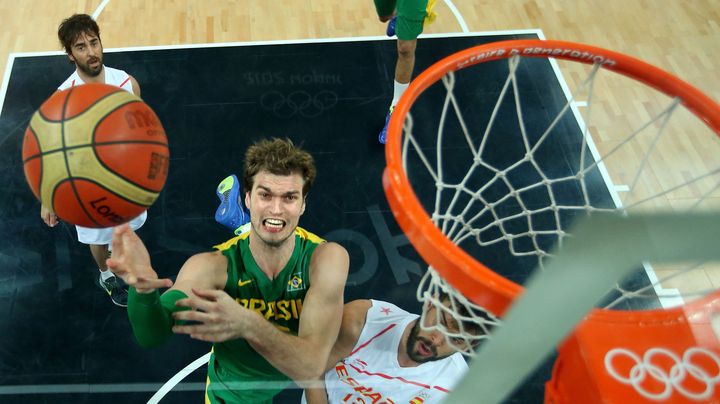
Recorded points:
313,367
309,376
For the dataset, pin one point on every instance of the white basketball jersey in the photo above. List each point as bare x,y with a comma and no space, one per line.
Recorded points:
372,374
113,77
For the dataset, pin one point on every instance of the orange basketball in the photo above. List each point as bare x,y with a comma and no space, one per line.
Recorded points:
96,155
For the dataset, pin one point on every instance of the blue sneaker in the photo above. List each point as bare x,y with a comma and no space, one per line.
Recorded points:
391,26
382,138
230,213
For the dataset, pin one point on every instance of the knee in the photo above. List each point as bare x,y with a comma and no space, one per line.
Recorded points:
406,49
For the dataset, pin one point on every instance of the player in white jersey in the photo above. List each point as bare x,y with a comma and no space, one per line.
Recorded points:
382,355
80,36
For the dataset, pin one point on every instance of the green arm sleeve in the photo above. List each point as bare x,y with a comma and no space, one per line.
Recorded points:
151,315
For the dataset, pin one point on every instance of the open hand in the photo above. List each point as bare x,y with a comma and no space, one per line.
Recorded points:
218,317
48,216
131,262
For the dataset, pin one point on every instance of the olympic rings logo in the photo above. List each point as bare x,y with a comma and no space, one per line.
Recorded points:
686,367
298,102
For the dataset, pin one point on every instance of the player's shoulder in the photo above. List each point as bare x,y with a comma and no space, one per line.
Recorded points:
385,311
308,236
329,260
71,81
457,363
232,243
353,319
208,259
119,78
115,72
357,309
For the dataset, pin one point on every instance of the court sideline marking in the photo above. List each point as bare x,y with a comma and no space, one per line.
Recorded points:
458,15
99,9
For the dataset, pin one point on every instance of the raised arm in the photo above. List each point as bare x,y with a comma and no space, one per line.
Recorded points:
151,314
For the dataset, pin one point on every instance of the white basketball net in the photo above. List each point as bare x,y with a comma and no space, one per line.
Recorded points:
636,160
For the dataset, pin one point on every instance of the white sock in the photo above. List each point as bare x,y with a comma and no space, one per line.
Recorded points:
104,275
398,92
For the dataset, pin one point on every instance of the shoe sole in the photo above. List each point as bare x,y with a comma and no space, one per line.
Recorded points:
229,214
227,191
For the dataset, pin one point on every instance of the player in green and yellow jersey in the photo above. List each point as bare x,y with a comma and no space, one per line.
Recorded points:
407,19
270,300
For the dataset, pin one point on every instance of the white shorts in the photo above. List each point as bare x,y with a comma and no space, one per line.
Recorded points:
103,236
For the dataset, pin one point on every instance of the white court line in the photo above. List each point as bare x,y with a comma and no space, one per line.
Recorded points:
170,384
458,15
99,9
622,188
6,80
291,42
100,388
14,55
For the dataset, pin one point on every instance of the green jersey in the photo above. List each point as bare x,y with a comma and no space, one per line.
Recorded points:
236,372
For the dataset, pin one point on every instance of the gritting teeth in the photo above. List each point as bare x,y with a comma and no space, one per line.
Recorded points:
273,222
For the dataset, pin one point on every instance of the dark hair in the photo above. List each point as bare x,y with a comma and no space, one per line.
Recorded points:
465,312
279,157
71,28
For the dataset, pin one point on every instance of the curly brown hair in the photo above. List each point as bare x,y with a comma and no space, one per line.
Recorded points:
279,157
73,26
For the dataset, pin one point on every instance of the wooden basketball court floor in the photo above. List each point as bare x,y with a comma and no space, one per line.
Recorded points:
64,341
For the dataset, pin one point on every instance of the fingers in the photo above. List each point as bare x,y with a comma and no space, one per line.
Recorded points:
214,313
116,265
118,236
49,219
113,265
193,315
204,299
144,285
195,303
48,216
210,294
205,327
201,336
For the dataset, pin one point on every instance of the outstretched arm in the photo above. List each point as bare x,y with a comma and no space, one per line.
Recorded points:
302,357
151,314
131,261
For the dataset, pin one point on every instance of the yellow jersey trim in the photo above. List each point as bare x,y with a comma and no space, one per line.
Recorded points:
304,234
